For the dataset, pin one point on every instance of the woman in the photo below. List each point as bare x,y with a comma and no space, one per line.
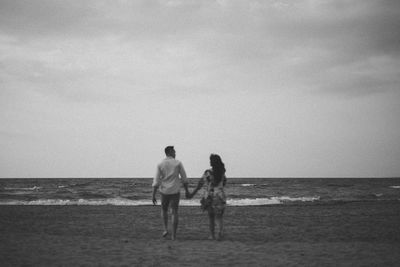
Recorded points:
213,200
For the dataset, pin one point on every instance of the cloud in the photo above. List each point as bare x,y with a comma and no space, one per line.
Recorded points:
27,19
97,78
85,48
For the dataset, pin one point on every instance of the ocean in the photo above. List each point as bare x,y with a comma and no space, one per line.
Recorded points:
239,191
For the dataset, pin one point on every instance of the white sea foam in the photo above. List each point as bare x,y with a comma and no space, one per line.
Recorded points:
79,202
44,202
253,202
23,188
301,199
268,201
144,202
395,186
247,184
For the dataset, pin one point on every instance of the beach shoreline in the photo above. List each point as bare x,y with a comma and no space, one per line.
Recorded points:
353,233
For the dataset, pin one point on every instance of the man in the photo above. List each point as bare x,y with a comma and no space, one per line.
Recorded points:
169,177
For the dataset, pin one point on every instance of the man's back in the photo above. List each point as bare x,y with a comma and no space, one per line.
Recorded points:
167,176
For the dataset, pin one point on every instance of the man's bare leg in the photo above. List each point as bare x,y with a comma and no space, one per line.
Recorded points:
174,220
164,216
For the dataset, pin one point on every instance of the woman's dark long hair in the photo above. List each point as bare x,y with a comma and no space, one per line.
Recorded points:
218,168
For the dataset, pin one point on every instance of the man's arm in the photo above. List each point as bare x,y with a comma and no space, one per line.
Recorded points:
156,184
187,193
184,180
154,195
198,187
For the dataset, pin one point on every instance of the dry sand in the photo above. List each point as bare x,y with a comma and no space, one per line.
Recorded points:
351,234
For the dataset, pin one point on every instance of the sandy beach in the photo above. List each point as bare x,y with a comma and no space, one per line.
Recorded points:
347,234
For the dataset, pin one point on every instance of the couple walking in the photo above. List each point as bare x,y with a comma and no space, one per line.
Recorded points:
168,179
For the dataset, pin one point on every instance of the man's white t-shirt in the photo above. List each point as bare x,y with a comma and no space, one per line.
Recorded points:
169,176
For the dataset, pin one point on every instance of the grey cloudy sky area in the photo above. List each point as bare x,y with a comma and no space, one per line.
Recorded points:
278,88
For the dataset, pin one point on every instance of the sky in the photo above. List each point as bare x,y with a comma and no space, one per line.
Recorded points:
307,88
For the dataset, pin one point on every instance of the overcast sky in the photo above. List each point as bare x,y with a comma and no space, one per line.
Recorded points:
277,88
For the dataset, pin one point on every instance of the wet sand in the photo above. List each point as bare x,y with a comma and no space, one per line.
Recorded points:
346,234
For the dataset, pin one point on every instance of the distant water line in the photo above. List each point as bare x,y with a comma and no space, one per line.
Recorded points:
240,192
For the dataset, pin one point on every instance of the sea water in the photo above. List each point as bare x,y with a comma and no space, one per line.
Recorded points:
239,191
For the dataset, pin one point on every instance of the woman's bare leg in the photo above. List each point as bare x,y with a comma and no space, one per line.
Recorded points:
211,218
220,224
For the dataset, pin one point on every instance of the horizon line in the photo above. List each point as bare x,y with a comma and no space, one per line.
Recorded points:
234,177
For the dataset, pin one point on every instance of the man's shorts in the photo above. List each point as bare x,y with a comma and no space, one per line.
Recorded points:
170,200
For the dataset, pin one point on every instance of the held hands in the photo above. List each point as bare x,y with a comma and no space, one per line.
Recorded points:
191,195
188,195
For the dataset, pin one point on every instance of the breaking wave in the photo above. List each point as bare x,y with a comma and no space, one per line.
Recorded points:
145,202
24,188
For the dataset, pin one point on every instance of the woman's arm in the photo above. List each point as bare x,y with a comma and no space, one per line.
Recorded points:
224,180
200,183
198,187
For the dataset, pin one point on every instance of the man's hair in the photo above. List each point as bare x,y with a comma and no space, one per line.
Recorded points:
168,150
